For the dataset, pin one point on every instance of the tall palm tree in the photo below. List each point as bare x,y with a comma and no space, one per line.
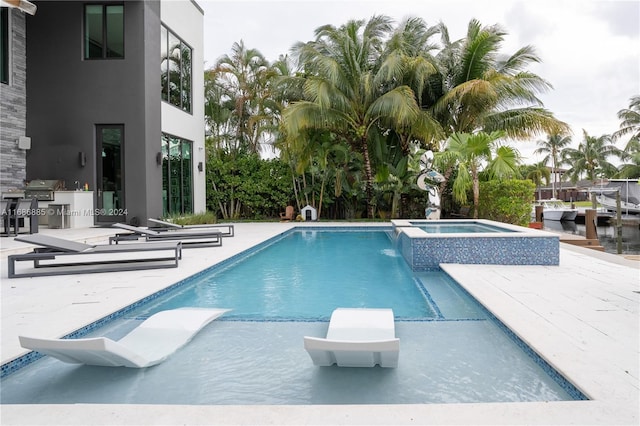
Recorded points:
591,157
244,76
630,120
469,153
631,168
484,90
630,125
345,90
553,147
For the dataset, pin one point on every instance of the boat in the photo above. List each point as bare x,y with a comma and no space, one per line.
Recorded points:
554,209
629,190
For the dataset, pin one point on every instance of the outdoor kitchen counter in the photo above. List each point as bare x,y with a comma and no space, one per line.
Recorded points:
80,213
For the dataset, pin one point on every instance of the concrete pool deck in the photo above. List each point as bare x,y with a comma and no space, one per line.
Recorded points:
581,316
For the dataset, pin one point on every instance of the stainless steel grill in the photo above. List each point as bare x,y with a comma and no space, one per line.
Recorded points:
43,189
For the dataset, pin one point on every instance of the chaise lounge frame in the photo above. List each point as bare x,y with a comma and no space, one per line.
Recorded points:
162,225
195,238
57,256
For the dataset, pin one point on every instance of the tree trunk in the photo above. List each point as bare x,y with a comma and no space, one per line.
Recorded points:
476,193
368,178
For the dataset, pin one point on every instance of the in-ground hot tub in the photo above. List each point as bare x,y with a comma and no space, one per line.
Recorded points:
425,244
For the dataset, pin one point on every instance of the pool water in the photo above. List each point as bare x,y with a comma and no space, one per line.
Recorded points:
308,274
457,228
451,348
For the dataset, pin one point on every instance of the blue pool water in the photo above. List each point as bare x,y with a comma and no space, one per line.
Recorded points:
307,275
451,348
457,228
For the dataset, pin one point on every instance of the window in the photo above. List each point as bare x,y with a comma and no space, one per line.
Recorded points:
4,45
103,31
175,70
177,186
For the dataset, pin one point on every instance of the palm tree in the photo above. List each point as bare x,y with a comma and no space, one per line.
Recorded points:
345,90
483,90
630,120
469,152
537,173
630,125
243,77
591,157
630,169
553,147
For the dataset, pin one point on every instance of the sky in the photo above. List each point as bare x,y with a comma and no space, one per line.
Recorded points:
590,49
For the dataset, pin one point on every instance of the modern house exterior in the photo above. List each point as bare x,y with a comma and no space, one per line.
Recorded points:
109,94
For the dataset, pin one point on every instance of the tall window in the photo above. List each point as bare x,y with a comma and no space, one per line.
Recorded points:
4,45
175,70
103,31
177,183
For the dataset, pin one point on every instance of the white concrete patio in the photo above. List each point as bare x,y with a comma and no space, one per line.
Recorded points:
581,316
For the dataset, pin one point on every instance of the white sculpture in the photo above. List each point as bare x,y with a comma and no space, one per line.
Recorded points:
429,180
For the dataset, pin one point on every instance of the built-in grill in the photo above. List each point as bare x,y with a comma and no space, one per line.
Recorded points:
43,189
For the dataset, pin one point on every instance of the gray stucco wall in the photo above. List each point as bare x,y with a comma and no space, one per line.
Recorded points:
67,96
13,108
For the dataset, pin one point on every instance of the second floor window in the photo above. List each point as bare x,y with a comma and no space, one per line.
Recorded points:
4,45
103,31
175,69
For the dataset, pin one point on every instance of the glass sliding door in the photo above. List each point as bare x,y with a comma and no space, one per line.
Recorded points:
177,182
109,173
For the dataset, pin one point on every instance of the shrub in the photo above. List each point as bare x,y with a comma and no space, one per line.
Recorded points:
507,201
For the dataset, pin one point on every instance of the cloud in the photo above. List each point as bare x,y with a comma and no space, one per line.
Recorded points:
589,48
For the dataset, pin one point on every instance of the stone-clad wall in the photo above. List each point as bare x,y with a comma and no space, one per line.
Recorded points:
13,107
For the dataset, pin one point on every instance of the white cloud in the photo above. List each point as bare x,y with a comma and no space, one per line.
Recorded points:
590,48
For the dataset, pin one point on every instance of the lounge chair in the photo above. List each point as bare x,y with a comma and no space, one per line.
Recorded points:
357,337
190,238
149,344
4,214
288,214
79,258
161,225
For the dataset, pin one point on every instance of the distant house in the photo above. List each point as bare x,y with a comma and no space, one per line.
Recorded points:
107,93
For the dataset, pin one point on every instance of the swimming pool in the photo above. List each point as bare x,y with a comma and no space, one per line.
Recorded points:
452,350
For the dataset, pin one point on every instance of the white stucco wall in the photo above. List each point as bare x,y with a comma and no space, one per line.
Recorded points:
185,19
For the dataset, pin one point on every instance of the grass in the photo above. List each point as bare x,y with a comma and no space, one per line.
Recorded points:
194,219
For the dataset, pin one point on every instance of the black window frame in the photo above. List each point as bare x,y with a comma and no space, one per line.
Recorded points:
105,31
182,96
5,45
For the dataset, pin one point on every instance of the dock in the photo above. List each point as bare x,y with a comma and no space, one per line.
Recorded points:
579,240
603,217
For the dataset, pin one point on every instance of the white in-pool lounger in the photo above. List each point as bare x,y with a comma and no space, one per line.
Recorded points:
357,338
149,344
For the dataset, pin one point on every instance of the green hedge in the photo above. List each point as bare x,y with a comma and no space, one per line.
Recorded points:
508,201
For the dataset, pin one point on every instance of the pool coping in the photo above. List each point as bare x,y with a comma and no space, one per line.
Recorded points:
615,394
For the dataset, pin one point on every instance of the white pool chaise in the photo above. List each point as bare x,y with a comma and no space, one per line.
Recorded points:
149,344
357,337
